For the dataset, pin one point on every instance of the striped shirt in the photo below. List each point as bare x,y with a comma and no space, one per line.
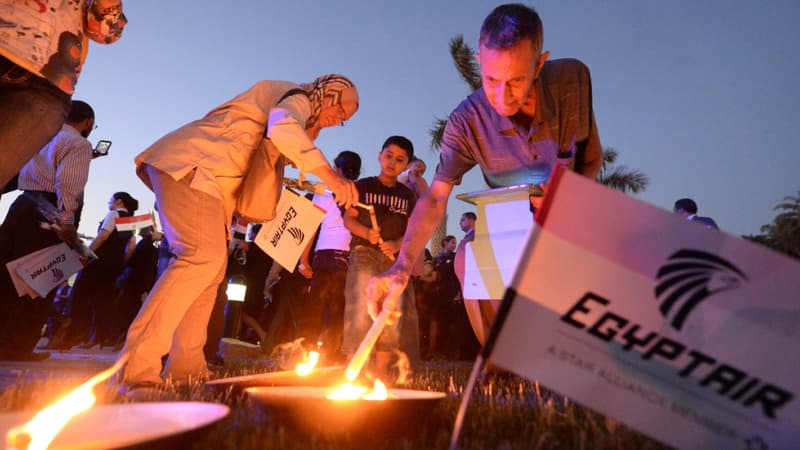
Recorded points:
62,167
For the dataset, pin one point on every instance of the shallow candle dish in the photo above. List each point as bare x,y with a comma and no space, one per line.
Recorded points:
148,425
320,376
309,408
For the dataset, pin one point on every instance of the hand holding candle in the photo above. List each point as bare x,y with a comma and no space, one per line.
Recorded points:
374,220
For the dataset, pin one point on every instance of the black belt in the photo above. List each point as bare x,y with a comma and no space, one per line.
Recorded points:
49,196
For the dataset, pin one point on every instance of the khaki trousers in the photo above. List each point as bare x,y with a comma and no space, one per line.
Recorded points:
174,316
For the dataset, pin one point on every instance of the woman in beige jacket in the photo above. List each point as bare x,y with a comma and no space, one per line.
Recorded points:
196,173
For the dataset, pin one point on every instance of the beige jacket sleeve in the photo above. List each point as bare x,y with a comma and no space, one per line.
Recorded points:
286,129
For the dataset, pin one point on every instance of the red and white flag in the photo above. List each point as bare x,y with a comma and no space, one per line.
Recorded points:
134,223
687,334
239,225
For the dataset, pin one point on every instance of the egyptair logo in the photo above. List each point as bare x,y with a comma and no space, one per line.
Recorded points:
297,234
57,273
688,278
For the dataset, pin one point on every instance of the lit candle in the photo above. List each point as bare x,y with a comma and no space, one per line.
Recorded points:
40,431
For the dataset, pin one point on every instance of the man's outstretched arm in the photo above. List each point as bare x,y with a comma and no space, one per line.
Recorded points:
426,216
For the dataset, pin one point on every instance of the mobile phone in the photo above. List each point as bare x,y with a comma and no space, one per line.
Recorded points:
101,149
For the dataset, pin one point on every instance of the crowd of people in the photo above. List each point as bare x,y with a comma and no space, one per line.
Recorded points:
160,301
229,164
312,302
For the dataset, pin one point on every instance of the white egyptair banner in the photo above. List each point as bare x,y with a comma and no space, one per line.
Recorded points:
687,334
295,223
38,273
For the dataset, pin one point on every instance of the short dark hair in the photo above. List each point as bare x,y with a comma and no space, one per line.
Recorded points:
402,142
447,239
471,215
350,163
509,24
131,204
79,111
687,205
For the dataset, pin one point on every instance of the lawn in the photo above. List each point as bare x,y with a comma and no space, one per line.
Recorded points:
506,412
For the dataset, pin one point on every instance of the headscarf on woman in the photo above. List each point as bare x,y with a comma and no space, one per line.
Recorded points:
325,91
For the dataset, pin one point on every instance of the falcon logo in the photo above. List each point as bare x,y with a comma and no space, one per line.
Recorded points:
58,274
297,234
689,277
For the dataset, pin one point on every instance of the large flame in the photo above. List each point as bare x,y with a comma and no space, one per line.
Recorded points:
378,392
40,431
349,391
306,367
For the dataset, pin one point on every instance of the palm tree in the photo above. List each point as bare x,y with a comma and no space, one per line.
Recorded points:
464,60
620,178
783,234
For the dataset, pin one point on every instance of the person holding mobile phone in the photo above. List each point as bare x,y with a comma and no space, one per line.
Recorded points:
56,175
101,149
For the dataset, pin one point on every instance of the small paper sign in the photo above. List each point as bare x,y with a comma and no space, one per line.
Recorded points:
295,223
38,273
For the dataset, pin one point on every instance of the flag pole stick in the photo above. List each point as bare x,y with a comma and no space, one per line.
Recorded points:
483,356
462,408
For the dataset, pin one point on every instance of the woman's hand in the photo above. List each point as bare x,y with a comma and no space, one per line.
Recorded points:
344,190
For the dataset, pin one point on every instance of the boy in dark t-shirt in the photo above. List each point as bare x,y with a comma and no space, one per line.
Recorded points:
373,250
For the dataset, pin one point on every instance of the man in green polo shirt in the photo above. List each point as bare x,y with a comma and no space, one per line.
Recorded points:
529,115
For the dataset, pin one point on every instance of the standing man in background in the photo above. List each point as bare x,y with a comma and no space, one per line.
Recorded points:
687,208
42,48
467,224
56,175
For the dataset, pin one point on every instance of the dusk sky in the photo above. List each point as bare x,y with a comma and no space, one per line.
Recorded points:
698,95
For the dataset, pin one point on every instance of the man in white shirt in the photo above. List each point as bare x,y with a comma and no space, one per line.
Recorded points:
55,176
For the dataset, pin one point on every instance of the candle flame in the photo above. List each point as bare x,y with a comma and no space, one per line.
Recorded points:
378,391
40,431
306,367
349,391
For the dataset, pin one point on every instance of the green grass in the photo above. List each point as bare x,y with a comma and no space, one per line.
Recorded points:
506,412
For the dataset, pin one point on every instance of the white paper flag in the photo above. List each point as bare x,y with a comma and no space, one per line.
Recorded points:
295,223
43,270
685,333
